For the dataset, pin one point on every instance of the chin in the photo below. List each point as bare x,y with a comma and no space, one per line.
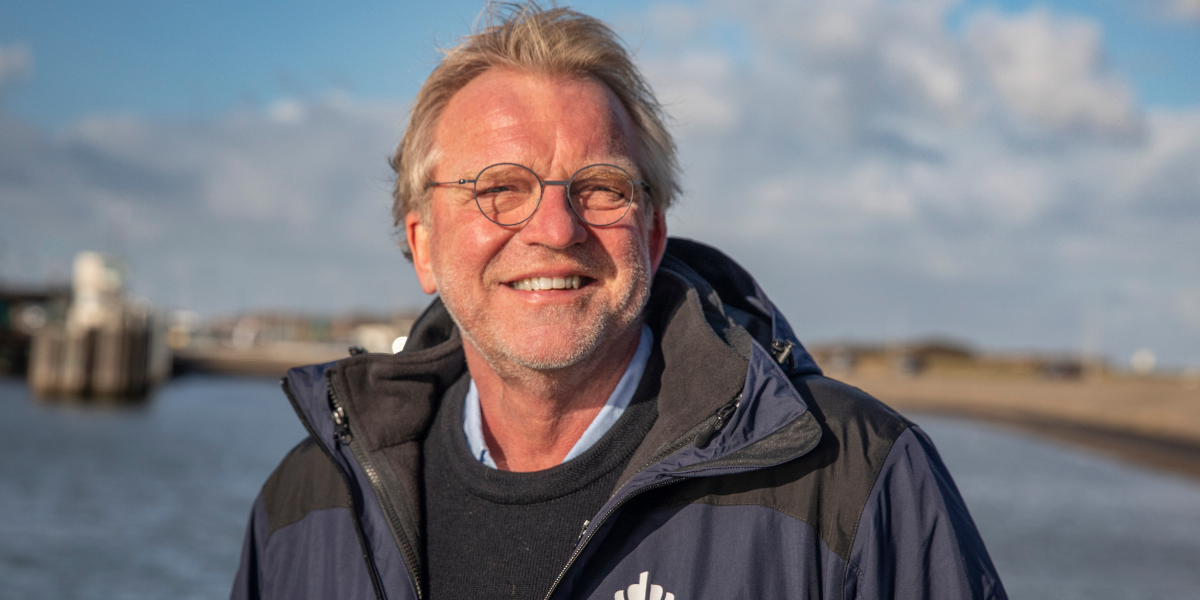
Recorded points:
556,357
542,348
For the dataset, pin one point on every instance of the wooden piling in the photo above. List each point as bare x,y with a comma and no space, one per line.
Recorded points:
110,363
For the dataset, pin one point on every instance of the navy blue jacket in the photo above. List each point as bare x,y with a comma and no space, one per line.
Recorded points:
759,479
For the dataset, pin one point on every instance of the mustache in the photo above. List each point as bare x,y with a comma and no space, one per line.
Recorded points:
592,260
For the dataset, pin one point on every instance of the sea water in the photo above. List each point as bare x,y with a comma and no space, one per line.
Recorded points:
152,502
1069,524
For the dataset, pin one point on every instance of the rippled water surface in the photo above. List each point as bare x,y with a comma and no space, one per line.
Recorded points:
141,503
152,502
1068,524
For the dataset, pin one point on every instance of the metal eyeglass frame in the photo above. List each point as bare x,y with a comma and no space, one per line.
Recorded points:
566,183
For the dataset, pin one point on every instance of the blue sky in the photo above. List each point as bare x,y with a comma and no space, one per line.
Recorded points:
189,59
1025,175
1157,52
184,59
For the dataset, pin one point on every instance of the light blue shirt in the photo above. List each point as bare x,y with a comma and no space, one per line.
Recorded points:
612,410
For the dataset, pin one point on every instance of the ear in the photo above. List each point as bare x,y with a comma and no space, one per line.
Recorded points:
658,240
418,242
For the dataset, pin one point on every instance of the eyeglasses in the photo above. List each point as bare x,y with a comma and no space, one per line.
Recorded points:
508,194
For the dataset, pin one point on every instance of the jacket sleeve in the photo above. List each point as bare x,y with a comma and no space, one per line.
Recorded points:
246,585
916,539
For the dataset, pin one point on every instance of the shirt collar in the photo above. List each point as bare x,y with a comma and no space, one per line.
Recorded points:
604,420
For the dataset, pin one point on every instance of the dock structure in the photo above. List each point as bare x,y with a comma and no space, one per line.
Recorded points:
108,349
23,310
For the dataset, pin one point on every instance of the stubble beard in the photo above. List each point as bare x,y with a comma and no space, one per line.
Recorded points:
588,335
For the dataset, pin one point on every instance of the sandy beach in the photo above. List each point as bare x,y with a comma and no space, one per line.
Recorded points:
1154,421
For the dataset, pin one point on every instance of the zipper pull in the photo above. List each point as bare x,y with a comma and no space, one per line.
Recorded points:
722,415
341,425
781,350
583,530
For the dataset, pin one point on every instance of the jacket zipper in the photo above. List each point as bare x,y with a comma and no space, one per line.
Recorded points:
722,417
362,539
342,429
718,421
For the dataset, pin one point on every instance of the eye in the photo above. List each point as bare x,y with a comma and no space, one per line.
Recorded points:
601,192
505,179
496,189
600,187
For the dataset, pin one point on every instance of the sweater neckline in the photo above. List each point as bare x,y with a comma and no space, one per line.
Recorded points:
611,452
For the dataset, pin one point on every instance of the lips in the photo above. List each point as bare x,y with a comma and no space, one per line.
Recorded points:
533,284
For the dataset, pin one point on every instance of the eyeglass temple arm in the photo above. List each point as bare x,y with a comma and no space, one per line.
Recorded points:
458,182
430,184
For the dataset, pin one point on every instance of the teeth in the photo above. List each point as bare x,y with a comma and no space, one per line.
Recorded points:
571,282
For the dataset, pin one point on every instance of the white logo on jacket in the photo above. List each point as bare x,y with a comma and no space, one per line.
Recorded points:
642,591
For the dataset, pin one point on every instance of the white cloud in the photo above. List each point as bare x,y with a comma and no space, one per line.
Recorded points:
287,110
15,61
698,95
1184,9
866,164
1053,72
993,185
250,209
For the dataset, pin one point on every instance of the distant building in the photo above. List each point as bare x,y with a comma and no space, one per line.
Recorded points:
939,356
267,343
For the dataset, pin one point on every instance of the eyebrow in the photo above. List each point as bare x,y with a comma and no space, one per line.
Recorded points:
624,161
461,176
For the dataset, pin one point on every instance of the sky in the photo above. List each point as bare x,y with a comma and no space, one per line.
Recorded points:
1021,175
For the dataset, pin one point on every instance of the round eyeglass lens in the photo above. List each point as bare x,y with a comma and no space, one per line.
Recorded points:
507,193
601,194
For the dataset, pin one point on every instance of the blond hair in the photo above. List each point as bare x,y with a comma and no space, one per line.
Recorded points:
555,41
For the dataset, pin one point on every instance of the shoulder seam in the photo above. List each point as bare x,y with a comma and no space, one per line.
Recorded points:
305,467
861,509
271,533
766,505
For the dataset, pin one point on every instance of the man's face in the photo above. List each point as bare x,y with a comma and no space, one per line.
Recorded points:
554,126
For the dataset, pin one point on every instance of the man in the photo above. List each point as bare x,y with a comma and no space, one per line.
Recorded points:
589,410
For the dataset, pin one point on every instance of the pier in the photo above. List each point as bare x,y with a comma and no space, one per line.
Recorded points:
107,349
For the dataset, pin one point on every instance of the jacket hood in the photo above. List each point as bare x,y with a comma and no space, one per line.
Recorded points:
731,298
725,398
729,367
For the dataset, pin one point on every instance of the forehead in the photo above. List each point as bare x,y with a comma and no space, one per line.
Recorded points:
540,120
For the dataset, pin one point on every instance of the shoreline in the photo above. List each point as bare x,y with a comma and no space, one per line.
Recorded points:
1149,422
1179,457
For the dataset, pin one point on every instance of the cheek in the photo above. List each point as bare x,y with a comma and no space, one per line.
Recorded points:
463,247
634,239
629,254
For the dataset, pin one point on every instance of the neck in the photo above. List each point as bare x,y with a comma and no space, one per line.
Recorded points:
532,418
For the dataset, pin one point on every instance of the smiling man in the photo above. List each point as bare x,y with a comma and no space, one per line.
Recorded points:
588,410
501,247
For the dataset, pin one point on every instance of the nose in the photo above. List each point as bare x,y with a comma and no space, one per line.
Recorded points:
554,224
